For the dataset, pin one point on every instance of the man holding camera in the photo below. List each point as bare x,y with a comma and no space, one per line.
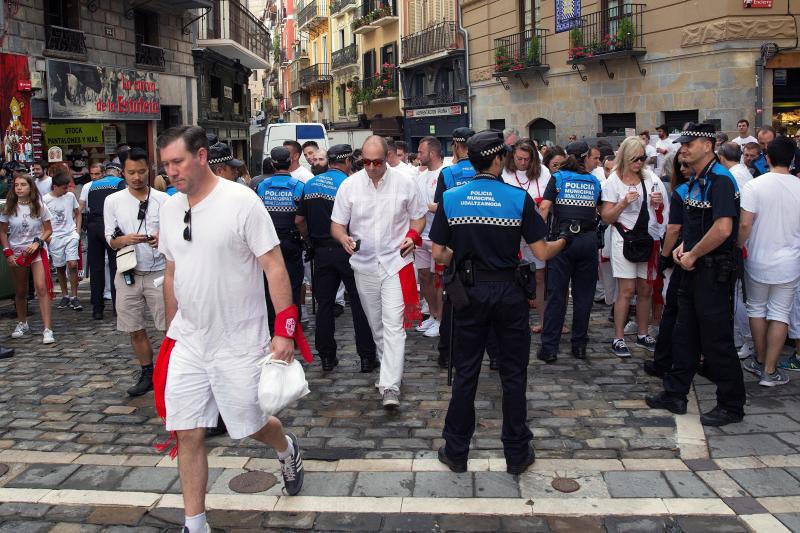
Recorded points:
132,220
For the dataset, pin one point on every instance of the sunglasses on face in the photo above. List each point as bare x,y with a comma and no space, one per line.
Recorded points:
187,231
142,210
640,159
372,162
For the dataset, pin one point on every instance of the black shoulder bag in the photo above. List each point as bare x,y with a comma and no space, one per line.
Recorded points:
637,244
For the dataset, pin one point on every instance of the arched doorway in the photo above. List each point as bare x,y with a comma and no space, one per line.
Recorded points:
542,131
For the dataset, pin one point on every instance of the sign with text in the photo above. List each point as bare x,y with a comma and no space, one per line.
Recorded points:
434,111
89,134
83,91
758,3
568,15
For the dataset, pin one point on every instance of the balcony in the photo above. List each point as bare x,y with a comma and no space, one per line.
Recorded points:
521,53
374,14
150,57
457,96
616,32
295,69
232,31
381,88
65,43
439,39
344,57
301,100
313,15
342,7
317,76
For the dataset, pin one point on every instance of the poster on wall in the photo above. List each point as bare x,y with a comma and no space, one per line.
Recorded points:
568,15
84,135
79,91
15,108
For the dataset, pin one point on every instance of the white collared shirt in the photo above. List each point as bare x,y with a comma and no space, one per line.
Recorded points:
302,173
379,217
121,210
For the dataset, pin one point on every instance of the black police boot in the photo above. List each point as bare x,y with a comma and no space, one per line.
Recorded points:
579,351
493,364
97,313
368,364
546,357
523,466
145,383
444,360
329,363
719,417
455,466
221,429
651,369
664,401
338,310
5,353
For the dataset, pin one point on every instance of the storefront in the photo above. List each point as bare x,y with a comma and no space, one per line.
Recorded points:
786,99
438,122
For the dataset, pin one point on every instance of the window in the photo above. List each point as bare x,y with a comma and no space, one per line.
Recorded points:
341,92
369,64
341,39
676,119
419,84
497,124
615,10
64,13
389,54
615,123
214,93
238,90
145,27
445,83
530,14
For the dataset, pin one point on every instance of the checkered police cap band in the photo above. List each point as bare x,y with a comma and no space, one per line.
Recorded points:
691,133
218,160
494,150
340,157
460,139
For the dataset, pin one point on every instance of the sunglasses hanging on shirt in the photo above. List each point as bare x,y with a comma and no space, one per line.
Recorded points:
187,231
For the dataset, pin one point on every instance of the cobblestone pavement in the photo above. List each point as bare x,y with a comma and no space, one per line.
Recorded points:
80,453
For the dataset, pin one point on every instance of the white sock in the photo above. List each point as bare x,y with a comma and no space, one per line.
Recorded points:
288,452
196,523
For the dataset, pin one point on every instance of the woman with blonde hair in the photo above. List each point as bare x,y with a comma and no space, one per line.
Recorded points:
641,223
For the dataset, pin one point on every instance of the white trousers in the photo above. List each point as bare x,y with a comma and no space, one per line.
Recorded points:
741,324
382,300
340,295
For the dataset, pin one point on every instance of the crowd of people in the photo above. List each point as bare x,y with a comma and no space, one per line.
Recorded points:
699,234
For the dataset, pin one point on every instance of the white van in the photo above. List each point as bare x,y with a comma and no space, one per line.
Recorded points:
294,131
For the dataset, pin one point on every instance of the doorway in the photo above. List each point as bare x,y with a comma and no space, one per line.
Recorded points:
542,131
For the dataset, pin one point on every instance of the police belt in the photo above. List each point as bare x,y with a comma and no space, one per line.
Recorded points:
576,226
290,236
322,243
495,275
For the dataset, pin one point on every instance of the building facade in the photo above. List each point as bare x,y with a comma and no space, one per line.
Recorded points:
312,21
618,65
433,71
345,65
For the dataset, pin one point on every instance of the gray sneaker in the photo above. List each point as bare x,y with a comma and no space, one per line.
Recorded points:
391,398
774,379
75,304
754,367
64,303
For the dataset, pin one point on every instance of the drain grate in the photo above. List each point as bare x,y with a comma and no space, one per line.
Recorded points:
565,484
252,482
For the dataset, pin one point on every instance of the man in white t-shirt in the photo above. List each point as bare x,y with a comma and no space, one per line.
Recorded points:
297,170
43,182
664,147
395,162
649,150
744,137
430,156
217,239
65,217
769,226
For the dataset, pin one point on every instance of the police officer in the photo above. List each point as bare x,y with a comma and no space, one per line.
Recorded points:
573,195
477,230
705,299
331,262
281,196
222,162
96,237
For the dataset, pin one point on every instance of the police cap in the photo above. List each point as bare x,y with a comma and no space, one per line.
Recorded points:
114,165
280,156
340,152
578,148
462,135
221,153
486,143
694,131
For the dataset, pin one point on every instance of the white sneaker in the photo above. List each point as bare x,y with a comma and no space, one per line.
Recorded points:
47,337
21,329
433,331
425,324
424,308
631,328
747,350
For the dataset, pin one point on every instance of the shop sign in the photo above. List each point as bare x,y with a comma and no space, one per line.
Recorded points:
110,139
36,139
15,109
89,134
228,92
79,91
24,85
779,76
758,3
433,111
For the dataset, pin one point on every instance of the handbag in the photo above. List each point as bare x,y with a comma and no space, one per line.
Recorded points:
637,244
280,384
126,258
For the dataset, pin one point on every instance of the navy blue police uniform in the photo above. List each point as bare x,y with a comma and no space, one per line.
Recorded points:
332,266
482,221
760,165
281,196
575,196
96,240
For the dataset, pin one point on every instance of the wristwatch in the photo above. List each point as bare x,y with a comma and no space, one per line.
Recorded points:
39,241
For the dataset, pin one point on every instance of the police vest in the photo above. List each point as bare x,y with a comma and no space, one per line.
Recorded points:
577,195
457,174
319,194
171,190
761,165
698,202
281,194
98,192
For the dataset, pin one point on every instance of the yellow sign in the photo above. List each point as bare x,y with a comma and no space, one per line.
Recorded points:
83,135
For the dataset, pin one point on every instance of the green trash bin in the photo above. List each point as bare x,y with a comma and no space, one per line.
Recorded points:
6,284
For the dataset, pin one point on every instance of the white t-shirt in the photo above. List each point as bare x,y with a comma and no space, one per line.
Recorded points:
600,174
22,227
218,279
773,248
44,185
427,181
406,169
302,173
741,141
614,190
85,194
62,213
121,210
669,146
535,190
742,175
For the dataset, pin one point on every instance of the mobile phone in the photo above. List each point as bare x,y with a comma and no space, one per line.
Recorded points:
150,237
357,247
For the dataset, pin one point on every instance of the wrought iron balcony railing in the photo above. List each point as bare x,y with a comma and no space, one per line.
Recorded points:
150,56
66,40
301,99
520,51
240,26
312,14
339,7
374,13
617,30
456,96
384,85
438,38
344,57
315,75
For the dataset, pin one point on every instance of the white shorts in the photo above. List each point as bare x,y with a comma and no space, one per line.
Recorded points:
621,267
307,272
423,256
202,386
794,318
770,301
64,248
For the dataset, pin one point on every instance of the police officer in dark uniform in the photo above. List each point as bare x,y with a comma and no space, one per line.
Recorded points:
477,230
96,237
331,262
709,258
281,196
573,194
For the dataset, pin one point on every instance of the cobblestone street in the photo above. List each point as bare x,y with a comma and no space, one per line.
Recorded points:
79,452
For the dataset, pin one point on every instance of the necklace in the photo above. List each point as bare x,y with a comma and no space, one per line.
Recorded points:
20,202
523,185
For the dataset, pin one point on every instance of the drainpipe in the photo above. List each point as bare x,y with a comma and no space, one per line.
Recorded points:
759,92
464,33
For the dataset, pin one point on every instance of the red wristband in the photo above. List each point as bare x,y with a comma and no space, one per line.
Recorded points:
744,252
415,237
8,252
287,324
439,268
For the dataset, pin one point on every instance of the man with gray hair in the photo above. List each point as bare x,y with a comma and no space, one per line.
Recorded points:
730,155
510,136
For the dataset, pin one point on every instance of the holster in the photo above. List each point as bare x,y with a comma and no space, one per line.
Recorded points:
454,289
723,267
522,276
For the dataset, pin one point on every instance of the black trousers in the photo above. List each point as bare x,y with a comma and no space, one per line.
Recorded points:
492,346
578,264
292,252
499,307
98,247
332,267
662,357
705,326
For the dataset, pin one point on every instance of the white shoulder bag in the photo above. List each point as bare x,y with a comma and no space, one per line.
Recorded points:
281,384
